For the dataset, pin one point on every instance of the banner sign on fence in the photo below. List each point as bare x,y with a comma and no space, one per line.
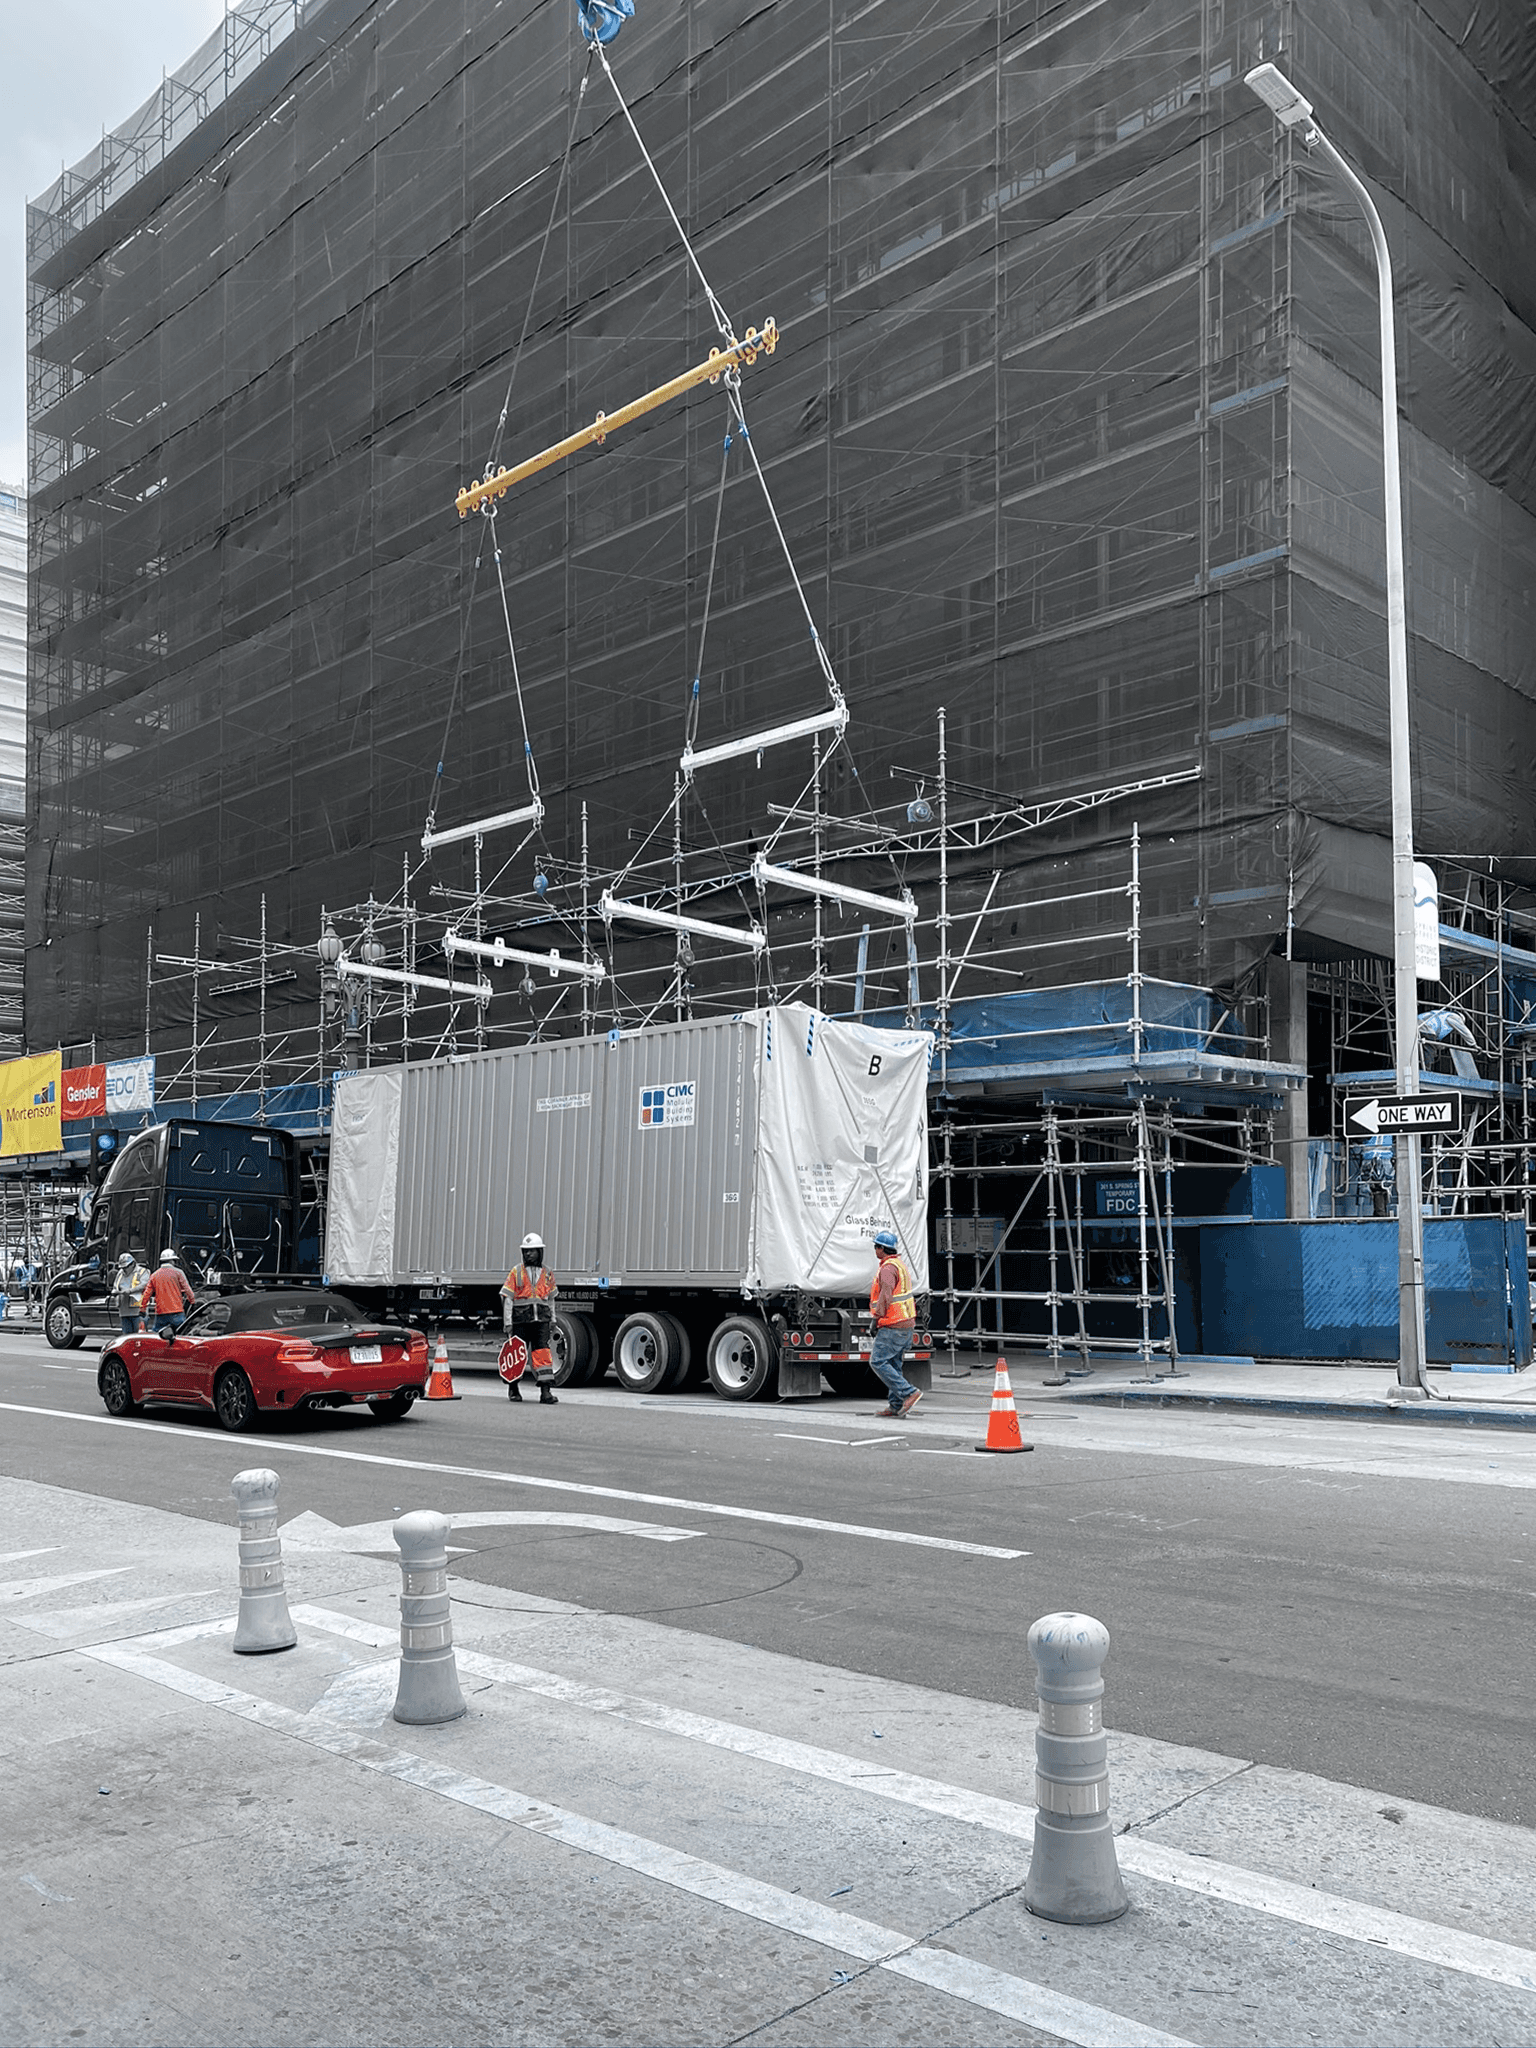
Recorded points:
29,1105
83,1093
130,1086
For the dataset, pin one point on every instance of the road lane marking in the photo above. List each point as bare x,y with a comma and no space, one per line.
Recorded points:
60,1623
973,1983
28,1589
1448,1948
651,1500
310,1531
16,1556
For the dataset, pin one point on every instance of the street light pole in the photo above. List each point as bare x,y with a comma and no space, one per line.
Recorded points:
1291,110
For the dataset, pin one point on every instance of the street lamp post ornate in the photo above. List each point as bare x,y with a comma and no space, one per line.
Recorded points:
1291,110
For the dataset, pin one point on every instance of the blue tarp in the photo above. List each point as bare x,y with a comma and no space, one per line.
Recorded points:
1054,1027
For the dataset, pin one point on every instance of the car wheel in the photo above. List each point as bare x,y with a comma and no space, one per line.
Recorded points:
645,1352
233,1402
62,1327
116,1388
396,1408
740,1359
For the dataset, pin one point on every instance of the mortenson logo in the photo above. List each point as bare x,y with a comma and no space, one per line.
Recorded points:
42,1100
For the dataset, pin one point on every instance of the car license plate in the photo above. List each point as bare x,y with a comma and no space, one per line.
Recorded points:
367,1354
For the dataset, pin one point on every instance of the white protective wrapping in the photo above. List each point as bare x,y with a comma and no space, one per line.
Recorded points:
365,1160
842,1149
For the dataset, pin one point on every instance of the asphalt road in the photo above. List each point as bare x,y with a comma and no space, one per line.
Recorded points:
1268,1596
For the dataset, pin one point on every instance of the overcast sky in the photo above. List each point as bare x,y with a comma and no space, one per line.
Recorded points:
68,69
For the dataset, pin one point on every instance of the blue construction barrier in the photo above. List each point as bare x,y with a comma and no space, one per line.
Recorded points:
1328,1289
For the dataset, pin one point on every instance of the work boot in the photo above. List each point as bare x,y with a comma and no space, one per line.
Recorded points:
548,1398
512,1391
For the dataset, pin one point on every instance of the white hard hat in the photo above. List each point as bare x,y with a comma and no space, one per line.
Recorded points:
533,1242
168,1256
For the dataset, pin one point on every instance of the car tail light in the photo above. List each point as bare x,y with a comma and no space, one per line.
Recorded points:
418,1348
297,1351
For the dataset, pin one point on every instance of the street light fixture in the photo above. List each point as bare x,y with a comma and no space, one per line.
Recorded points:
1293,111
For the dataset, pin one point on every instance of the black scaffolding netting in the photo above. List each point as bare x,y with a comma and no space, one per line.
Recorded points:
1073,429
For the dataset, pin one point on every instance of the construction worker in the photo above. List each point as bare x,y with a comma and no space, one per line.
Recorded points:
169,1293
527,1292
893,1310
129,1286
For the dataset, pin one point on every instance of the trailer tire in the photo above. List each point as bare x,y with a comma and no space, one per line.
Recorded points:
742,1359
679,1375
573,1340
645,1352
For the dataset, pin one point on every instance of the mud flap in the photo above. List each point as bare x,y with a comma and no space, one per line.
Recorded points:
799,1378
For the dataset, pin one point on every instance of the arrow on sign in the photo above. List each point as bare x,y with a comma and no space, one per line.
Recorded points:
1408,1113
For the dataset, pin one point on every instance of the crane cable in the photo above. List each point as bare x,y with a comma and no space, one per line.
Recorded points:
496,441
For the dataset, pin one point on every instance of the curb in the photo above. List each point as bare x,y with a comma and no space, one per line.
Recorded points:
1283,1404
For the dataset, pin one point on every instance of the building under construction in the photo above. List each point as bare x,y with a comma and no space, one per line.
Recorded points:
1054,517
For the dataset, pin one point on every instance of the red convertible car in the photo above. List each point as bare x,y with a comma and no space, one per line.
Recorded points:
274,1353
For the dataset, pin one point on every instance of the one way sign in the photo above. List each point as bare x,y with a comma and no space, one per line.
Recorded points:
1409,1113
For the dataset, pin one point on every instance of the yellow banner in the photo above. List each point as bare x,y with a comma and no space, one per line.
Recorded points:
29,1105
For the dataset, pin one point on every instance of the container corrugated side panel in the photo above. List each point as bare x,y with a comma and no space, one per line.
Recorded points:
481,1163
679,1196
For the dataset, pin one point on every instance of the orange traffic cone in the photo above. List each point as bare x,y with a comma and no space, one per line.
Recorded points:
1003,1422
440,1385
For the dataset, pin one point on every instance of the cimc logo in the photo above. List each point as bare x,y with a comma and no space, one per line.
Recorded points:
670,1103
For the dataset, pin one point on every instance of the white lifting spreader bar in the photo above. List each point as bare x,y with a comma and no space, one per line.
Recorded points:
530,814
903,907
754,742
499,953
610,907
479,991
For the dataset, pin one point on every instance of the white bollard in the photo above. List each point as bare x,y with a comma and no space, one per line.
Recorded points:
429,1676
1074,1874
264,1622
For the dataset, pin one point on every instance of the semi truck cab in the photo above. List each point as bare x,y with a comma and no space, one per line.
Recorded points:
225,1195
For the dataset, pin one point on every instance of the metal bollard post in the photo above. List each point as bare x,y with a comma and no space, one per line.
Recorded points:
1074,1874
264,1622
429,1676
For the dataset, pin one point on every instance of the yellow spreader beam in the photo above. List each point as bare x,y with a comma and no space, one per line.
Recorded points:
747,350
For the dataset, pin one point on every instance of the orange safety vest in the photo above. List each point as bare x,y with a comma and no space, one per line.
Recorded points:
902,1307
522,1285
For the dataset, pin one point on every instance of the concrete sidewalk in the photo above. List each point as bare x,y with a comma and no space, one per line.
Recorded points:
643,1834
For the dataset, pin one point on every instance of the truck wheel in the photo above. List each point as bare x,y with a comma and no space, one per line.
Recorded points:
63,1331
573,1342
680,1373
740,1358
645,1352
